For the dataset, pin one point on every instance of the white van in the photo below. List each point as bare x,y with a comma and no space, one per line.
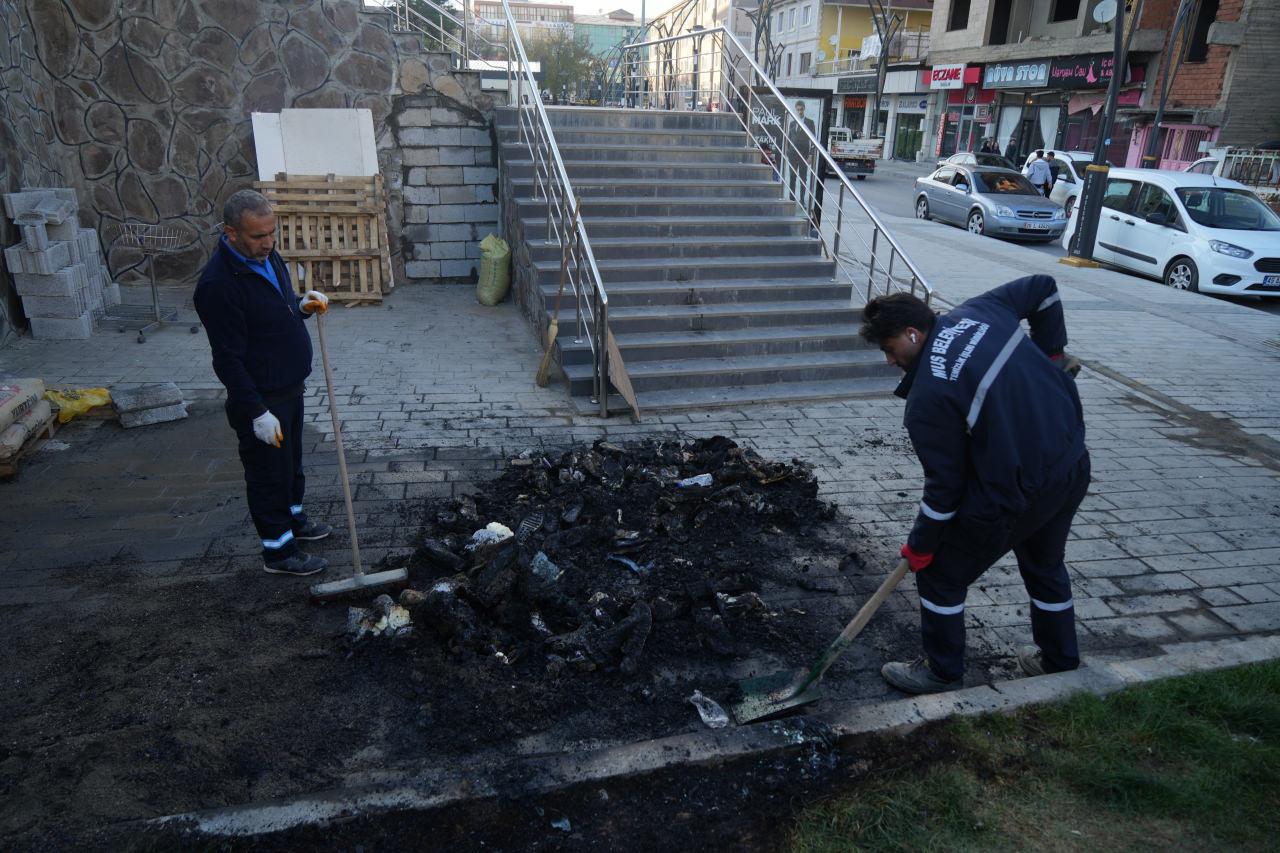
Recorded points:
1191,231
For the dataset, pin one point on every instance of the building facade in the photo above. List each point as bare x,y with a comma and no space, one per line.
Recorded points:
534,21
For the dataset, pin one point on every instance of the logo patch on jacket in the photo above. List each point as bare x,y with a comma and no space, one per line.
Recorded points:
974,330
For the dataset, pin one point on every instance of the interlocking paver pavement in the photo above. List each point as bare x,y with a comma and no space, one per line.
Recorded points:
1177,540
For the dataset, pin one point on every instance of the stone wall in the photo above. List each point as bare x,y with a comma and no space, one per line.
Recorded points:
143,107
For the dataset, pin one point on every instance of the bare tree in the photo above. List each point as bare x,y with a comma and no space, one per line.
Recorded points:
888,24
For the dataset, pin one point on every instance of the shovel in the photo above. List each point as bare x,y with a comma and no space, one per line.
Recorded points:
359,582
770,695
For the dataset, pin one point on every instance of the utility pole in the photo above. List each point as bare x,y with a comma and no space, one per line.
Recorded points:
1172,59
1095,174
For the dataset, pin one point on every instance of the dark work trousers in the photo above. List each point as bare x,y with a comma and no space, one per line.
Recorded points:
1038,538
273,478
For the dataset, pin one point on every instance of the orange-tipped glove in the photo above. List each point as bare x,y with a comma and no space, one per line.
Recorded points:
915,560
266,427
314,302
1069,363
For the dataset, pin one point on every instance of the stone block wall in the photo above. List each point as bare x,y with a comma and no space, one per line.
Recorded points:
448,174
143,107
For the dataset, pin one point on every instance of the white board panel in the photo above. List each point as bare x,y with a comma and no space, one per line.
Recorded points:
268,144
322,142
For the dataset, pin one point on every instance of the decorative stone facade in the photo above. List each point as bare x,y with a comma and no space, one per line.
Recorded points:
143,107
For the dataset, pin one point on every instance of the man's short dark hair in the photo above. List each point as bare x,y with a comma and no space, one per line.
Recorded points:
242,202
890,315
1039,152
1049,155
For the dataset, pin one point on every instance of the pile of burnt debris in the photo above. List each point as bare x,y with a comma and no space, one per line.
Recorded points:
603,559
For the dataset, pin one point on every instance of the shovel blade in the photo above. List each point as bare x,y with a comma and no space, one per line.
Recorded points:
768,696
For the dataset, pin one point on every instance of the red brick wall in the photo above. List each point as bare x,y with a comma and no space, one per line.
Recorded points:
1199,84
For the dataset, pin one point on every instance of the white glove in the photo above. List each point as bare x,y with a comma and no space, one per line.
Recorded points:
266,427
314,302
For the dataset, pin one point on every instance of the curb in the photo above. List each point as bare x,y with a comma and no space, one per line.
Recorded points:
432,789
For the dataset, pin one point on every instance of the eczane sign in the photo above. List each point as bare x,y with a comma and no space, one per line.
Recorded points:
946,77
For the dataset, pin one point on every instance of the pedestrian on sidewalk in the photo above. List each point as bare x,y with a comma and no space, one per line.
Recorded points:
1039,173
262,354
999,430
1011,150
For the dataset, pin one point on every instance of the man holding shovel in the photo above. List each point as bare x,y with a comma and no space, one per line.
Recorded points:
262,354
996,422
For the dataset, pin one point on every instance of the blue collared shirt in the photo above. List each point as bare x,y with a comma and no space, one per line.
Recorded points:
263,267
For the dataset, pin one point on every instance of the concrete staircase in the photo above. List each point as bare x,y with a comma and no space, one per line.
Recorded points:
718,294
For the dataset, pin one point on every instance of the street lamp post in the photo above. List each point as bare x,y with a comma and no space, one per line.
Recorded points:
1095,175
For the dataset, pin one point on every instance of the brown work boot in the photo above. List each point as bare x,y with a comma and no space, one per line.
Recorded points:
916,677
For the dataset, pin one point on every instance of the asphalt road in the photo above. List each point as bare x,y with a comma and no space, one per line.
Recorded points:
890,191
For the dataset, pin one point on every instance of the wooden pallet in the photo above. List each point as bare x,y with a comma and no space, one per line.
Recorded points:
333,232
10,465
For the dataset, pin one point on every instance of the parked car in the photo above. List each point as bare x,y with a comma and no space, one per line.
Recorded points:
1205,166
999,202
1070,179
1192,231
976,158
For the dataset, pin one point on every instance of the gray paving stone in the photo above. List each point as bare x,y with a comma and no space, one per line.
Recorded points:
1251,617
133,398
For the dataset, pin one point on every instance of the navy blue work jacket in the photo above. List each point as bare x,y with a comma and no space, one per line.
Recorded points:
992,419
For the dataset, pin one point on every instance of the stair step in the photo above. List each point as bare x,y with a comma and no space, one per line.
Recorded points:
639,137
684,248
719,316
605,117
694,269
658,153
725,343
613,172
673,374
621,207
603,227
604,188
738,291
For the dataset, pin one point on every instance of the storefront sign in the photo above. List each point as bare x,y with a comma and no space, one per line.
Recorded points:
982,113
1086,72
855,102
913,105
1016,75
853,85
946,77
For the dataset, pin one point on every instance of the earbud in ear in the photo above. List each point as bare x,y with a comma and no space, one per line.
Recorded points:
913,339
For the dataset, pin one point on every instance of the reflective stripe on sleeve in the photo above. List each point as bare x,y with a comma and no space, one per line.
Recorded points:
934,514
296,509
1049,301
940,609
1053,608
975,409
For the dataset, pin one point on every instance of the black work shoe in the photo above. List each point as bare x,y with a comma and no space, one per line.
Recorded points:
1031,661
299,564
916,677
314,530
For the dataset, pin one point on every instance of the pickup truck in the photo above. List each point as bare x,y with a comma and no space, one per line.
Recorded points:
856,157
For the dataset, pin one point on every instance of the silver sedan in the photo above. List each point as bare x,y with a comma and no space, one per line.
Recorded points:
999,202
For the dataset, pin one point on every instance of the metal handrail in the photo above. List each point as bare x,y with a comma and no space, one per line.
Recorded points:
409,19
729,70
563,220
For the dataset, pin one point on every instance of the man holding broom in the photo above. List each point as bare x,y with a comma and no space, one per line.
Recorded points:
262,354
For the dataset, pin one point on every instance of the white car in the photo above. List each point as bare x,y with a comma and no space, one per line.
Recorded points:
1070,179
1205,166
1192,231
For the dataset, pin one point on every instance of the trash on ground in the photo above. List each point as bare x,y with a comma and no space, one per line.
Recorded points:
709,710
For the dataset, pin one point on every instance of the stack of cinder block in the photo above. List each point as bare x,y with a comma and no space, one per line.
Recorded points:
144,405
58,267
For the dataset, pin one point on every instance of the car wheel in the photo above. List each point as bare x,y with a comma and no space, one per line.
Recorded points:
922,208
862,177
977,225
1183,275
1069,206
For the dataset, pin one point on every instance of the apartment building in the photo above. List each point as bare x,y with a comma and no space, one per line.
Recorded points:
534,21
1034,73
833,45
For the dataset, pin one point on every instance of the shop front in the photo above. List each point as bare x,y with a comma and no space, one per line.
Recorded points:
966,114
854,95
906,102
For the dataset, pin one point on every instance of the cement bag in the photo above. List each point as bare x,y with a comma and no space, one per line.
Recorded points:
17,397
12,439
495,270
77,401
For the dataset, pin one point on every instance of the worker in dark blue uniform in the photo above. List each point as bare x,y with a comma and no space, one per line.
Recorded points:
262,354
996,421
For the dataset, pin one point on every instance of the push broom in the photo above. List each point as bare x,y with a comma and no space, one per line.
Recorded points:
359,582
544,369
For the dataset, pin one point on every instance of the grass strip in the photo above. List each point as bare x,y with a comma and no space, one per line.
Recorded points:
1186,763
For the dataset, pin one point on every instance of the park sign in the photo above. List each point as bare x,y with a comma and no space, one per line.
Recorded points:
1016,75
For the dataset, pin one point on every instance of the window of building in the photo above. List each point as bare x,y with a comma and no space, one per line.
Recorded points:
959,17
1198,45
804,15
791,19
805,60
778,25
1065,10
788,65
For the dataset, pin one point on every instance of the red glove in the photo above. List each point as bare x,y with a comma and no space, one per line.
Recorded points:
915,559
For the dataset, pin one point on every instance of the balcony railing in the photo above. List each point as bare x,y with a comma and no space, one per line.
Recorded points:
907,46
